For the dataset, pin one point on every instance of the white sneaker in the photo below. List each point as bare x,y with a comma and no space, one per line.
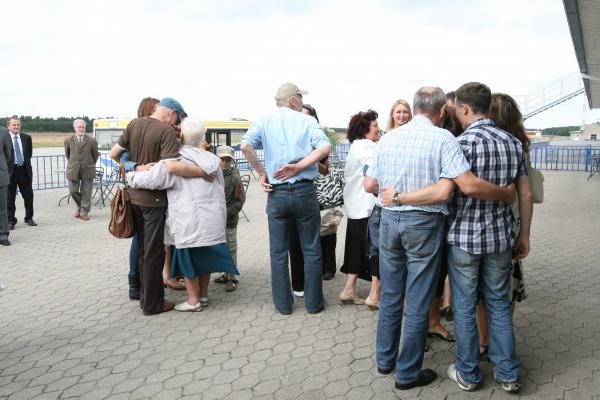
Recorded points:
188,307
299,294
455,376
511,387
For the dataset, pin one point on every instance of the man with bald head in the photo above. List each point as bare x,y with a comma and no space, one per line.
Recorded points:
149,140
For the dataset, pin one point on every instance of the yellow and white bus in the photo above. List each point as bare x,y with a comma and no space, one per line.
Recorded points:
108,130
219,132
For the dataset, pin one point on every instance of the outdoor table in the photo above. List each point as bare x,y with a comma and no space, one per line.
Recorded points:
68,195
594,165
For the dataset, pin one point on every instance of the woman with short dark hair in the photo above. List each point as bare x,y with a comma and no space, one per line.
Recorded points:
363,134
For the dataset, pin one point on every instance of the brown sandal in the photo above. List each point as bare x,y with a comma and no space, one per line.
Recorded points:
172,286
354,299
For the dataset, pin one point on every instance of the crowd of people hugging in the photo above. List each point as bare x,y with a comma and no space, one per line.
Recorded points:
438,206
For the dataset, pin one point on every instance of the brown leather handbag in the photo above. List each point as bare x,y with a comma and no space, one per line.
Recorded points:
121,216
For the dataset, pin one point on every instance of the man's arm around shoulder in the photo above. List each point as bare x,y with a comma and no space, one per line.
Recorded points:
115,152
437,193
481,189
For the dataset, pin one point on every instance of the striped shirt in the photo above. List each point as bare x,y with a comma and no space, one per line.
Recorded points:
414,156
479,226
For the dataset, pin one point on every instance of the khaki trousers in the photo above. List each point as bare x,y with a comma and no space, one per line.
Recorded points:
81,192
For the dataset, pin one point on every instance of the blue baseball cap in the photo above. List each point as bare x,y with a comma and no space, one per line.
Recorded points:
174,105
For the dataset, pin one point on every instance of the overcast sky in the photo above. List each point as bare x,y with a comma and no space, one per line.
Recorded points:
226,58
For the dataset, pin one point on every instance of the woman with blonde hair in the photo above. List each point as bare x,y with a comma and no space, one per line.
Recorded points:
196,216
400,114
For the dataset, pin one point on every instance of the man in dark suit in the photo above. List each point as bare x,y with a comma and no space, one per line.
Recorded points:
82,153
5,150
21,174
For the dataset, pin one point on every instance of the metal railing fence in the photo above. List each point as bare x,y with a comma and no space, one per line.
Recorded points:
49,171
563,158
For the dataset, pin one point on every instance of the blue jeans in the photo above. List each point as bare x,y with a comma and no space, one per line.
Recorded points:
134,271
410,245
489,273
289,205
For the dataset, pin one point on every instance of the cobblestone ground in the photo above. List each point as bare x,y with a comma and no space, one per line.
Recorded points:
68,330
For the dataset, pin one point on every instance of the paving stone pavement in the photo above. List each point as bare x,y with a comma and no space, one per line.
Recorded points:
69,331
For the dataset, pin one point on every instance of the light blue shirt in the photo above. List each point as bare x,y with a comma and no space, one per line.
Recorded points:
287,136
128,164
414,156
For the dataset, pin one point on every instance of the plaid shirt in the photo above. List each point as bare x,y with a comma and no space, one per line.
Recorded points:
486,227
414,156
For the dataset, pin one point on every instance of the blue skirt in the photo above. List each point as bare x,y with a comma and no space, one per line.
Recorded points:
194,261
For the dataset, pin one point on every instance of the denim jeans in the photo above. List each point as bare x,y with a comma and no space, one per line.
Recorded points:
489,273
409,252
288,204
134,271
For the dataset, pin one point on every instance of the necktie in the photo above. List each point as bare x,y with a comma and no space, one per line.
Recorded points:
80,138
19,155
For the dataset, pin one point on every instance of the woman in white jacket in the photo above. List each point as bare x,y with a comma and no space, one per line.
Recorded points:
196,216
363,134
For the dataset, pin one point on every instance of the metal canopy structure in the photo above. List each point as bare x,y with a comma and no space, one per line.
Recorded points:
583,17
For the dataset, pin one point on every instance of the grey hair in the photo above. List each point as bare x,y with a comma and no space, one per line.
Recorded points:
429,100
78,120
193,132
284,102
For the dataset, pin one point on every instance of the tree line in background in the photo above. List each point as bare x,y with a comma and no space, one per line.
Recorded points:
560,131
65,124
39,124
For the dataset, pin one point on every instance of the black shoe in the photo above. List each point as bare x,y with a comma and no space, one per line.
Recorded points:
425,378
385,371
134,288
327,276
30,222
11,227
4,242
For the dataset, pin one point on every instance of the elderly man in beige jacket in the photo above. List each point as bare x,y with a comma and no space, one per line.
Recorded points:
81,152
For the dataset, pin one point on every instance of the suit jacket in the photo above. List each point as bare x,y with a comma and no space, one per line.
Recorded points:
5,153
27,145
82,158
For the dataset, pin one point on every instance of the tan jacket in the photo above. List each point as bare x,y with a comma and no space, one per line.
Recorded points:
82,158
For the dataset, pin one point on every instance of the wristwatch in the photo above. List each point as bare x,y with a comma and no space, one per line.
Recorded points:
396,198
